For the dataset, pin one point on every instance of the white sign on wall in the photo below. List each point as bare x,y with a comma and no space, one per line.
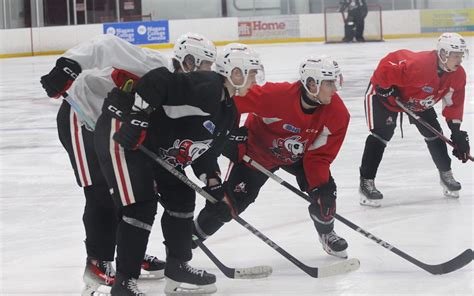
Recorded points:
269,27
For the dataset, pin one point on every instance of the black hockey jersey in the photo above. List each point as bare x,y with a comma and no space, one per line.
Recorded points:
193,114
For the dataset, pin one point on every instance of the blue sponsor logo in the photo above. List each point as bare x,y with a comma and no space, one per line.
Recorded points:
291,128
427,89
140,32
210,126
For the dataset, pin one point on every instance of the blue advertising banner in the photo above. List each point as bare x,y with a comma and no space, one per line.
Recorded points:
140,32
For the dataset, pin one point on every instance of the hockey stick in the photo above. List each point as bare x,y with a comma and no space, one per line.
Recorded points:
90,124
316,272
256,272
454,264
427,125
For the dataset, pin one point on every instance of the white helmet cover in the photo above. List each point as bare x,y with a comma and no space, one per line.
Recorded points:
201,48
237,55
451,42
319,68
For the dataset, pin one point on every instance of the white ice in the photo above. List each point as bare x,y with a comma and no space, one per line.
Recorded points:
41,235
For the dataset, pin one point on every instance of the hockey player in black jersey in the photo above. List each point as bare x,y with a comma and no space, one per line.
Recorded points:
185,119
86,72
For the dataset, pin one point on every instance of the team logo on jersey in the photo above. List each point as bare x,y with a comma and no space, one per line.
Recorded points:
428,102
210,126
184,152
289,149
389,121
427,89
291,128
240,188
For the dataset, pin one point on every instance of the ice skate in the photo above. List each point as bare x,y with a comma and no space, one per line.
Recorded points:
334,244
369,195
451,187
182,279
152,268
125,286
98,277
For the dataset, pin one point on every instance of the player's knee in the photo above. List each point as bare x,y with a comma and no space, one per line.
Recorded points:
383,136
206,224
140,214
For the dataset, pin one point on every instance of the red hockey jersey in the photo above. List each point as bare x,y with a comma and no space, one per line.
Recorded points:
280,133
415,74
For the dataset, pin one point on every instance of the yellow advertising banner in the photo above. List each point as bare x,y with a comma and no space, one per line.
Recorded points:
447,20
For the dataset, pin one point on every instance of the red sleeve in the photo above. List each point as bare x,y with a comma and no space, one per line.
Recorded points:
251,101
390,71
453,101
323,151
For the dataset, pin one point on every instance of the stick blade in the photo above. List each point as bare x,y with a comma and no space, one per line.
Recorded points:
339,268
456,263
256,272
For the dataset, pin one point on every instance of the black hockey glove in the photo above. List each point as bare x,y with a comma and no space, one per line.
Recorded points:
132,133
236,146
118,103
387,92
224,208
461,145
324,197
58,81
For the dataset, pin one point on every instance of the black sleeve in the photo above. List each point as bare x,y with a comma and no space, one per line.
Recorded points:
153,86
454,126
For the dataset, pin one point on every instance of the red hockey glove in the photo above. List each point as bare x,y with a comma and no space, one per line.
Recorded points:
58,81
236,146
132,133
324,205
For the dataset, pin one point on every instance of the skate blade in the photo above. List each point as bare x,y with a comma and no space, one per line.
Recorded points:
152,275
340,254
256,272
101,290
449,193
370,202
175,288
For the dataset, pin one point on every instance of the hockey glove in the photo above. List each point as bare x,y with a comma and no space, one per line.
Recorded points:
461,145
387,92
236,146
58,81
132,133
224,208
324,201
118,103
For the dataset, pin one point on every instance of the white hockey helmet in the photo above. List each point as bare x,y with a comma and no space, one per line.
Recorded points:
451,42
319,68
196,45
237,55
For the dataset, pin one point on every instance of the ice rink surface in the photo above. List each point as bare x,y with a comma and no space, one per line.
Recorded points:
41,232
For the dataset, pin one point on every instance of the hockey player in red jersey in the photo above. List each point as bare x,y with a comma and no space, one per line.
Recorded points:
298,127
418,80
88,72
